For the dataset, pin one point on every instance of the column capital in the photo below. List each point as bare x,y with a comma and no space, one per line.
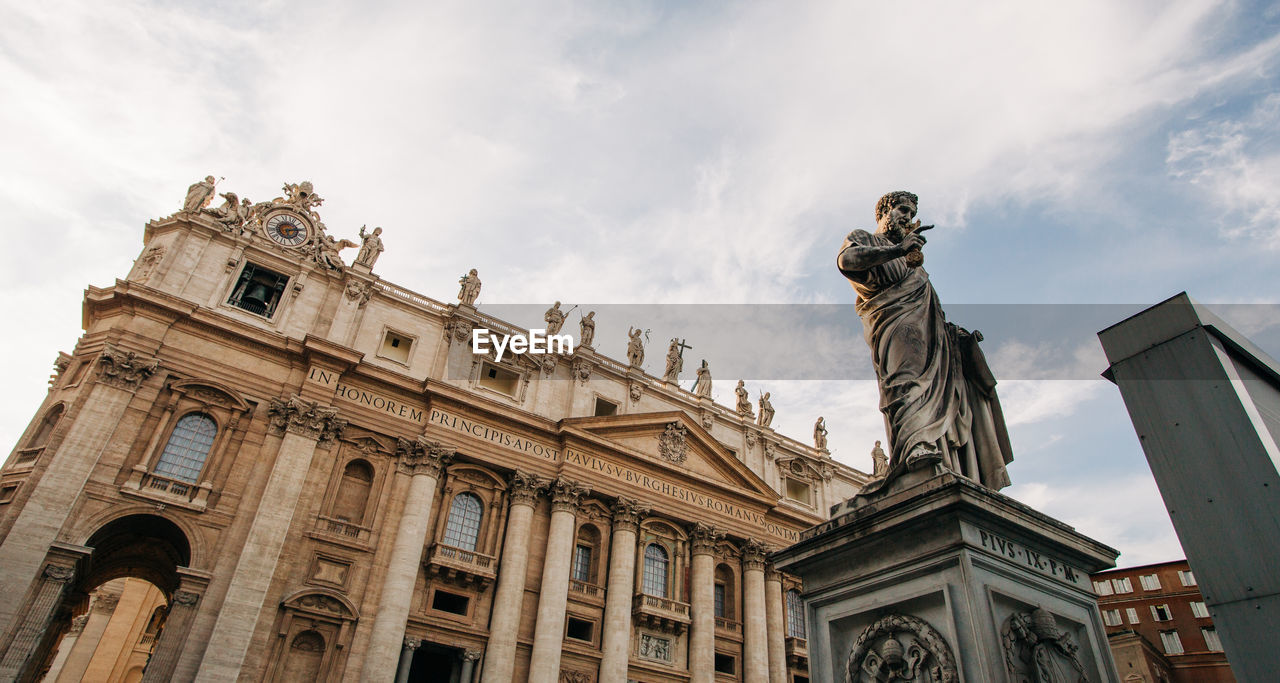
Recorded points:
470,655
771,573
297,415
704,537
77,625
422,456
124,369
411,643
524,488
185,598
753,554
58,573
627,514
567,494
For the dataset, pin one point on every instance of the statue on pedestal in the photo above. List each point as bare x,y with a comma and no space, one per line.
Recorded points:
554,318
879,462
702,386
744,400
470,288
766,411
635,347
199,195
820,434
675,361
936,391
587,329
370,247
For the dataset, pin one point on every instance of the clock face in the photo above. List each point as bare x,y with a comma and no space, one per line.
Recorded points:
286,229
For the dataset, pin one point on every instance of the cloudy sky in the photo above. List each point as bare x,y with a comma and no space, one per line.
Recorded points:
1100,154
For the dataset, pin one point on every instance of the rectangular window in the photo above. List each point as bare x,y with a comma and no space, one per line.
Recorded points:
7,492
1188,579
499,379
1199,610
579,629
1150,582
1102,587
725,664
1161,613
1111,617
258,290
1123,585
1132,614
450,602
582,563
605,408
1171,642
720,600
395,346
1211,641
798,491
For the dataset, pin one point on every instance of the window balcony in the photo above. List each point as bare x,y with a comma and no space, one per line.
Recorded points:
586,592
725,625
797,652
664,614
462,567
166,490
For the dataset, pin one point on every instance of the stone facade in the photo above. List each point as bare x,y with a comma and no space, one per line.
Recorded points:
325,483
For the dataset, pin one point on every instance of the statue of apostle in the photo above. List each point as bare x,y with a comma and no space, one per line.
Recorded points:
675,362
370,247
554,318
766,411
199,195
635,347
470,290
936,391
744,400
702,386
587,329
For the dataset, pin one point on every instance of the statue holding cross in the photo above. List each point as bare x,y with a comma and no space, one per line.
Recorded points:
675,360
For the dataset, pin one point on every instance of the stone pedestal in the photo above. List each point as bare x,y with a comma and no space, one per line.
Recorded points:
942,574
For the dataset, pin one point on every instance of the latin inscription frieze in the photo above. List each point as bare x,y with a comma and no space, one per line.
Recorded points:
494,435
1023,556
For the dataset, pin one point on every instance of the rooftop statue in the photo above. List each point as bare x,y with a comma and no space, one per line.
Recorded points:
370,247
470,290
199,195
587,329
936,391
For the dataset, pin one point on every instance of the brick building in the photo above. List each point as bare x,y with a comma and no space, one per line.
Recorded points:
1158,625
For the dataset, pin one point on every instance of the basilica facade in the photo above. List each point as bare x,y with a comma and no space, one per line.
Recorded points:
322,481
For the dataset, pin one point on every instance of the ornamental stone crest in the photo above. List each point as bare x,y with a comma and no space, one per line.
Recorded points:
124,369
422,456
1035,651
900,647
636,391
360,292
582,370
306,418
457,329
671,443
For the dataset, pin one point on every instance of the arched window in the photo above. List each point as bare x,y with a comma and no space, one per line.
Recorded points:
584,554
188,446
464,522
655,570
304,657
795,615
353,492
724,592
41,437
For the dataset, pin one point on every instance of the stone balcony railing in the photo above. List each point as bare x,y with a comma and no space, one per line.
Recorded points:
728,625
463,567
586,592
166,490
342,527
24,455
797,651
660,613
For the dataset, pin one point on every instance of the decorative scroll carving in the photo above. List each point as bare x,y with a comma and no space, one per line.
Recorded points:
359,291
124,369
185,598
524,488
457,329
567,494
751,439
582,370
753,554
306,418
471,655
567,676
628,513
422,456
58,573
636,391
901,647
703,538
770,449
671,443
1036,651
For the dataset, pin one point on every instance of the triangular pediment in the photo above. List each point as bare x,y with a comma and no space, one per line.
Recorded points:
672,440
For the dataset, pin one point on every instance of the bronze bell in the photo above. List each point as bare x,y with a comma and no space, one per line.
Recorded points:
256,295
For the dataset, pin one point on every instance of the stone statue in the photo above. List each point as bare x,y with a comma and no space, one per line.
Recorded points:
325,251
744,400
587,329
470,288
1036,650
554,318
199,195
879,462
675,362
702,386
820,434
936,391
370,247
232,213
302,195
766,411
635,347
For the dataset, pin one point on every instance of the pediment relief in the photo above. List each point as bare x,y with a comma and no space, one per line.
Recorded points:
802,468
211,393
367,442
675,441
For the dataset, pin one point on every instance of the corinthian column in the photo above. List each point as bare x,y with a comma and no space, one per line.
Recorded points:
305,425
754,644
120,374
500,655
702,596
51,587
548,632
616,638
421,461
774,609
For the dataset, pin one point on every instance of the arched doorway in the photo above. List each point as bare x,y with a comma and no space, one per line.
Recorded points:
110,622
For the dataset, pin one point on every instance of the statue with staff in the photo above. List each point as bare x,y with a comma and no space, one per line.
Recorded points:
675,360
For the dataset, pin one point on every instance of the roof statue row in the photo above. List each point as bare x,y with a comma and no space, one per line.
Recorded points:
249,220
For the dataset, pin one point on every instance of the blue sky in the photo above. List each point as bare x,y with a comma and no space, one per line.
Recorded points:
1092,152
